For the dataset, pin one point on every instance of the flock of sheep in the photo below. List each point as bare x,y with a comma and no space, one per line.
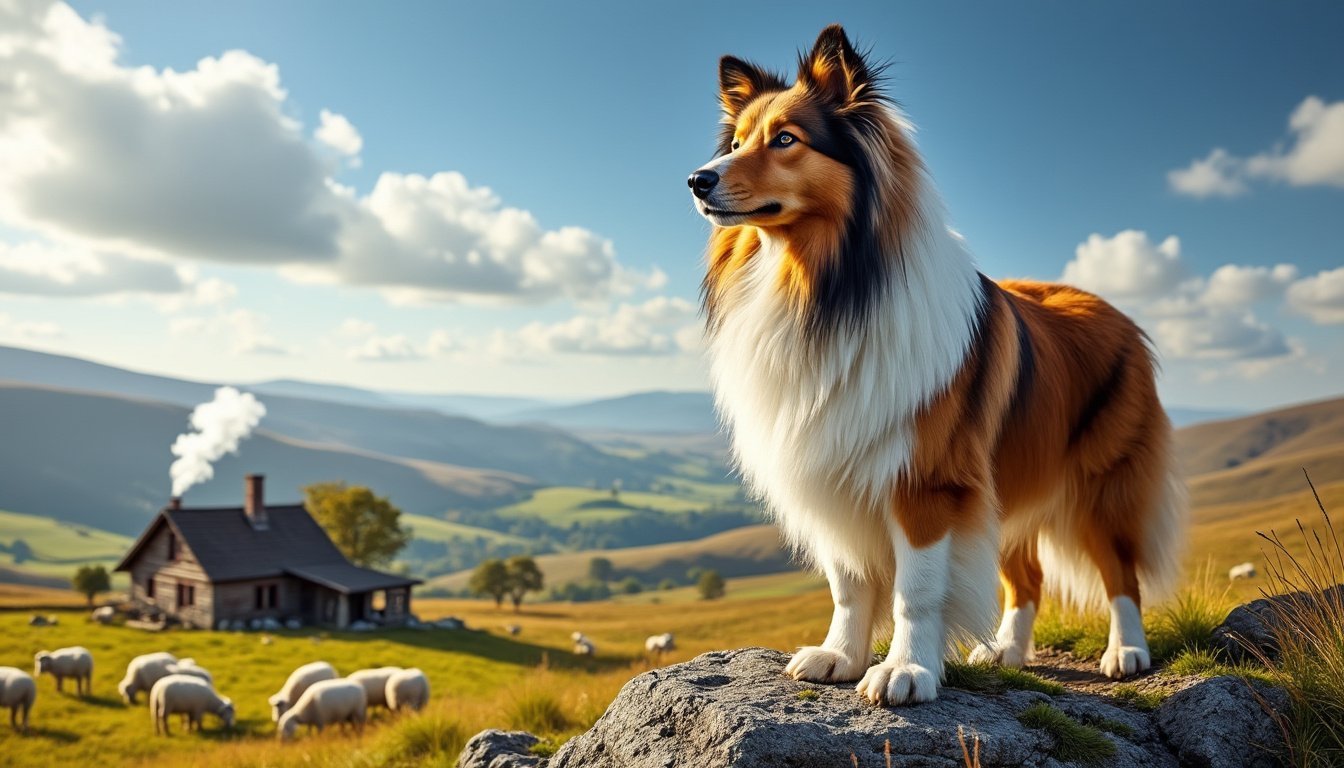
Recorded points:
314,695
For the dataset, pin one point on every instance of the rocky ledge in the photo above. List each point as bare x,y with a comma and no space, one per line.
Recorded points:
737,709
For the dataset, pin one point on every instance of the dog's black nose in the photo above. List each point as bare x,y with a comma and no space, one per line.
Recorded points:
702,183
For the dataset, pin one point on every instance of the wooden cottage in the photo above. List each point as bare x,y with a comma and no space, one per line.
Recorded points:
210,567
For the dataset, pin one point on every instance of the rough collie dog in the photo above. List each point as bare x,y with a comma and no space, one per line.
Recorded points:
909,422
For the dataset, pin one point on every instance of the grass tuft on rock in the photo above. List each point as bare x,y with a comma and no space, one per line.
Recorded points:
807,694
990,678
1146,701
1074,742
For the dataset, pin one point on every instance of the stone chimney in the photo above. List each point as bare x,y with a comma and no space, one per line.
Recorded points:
254,502
175,503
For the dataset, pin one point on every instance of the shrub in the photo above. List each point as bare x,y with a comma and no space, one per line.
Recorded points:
537,712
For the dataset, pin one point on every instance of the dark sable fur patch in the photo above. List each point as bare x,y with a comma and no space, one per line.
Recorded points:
1026,362
974,402
1101,397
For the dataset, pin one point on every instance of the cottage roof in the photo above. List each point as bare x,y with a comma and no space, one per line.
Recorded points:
228,548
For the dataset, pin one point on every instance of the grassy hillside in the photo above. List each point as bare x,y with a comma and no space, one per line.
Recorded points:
1226,444
566,505
748,551
57,548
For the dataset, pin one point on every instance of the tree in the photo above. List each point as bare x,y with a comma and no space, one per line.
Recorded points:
667,584
631,586
89,580
523,576
491,578
20,551
600,569
711,584
366,528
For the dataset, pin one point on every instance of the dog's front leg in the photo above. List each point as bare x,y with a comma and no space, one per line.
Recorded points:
914,666
847,650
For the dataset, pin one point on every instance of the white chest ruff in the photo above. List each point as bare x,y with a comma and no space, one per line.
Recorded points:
821,430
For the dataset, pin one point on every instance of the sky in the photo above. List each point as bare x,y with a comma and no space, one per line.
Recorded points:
491,197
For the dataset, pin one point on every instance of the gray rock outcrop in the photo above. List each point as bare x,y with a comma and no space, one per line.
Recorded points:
736,709
500,749
1253,624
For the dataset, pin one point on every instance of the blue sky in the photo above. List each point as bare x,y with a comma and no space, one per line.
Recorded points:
1045,126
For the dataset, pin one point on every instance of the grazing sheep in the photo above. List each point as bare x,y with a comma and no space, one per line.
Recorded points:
298,682
190,696
660,644
582,645
103,615
324,703
513,629
193,669
143,672
1242,571
18,692
375,684
74,662
407,689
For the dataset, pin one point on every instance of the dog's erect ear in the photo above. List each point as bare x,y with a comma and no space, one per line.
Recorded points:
834,69
740,82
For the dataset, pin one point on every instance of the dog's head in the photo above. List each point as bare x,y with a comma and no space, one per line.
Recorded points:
788,154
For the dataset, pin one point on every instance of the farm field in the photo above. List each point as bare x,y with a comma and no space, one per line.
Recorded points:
57,547
565,505
480,679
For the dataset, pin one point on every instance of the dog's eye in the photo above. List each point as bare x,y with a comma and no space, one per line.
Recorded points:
784,139
736,144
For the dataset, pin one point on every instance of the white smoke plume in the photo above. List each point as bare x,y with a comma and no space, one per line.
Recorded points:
217,427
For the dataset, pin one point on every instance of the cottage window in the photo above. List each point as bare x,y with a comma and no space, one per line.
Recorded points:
265,596
172,546
149,587
186,595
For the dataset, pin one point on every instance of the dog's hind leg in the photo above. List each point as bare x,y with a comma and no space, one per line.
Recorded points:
847,650
1020,575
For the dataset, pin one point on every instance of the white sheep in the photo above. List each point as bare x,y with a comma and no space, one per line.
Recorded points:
190,696
582,645
375,683
1242,571
298,682
75,662
407,689
660,644
143,672
190,667
324,703
18,692
103,615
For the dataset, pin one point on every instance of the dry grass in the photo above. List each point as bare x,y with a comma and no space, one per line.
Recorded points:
1309,632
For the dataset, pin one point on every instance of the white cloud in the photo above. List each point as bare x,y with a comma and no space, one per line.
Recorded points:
1313,156
1190,317
660,326
385,349
1233,286
1214,176
1126,265
336,132
207,164
245,330
1219,335
37,268
27,330
1320,297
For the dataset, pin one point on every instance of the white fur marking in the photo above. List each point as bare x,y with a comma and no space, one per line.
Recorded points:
1013,646
1127,651
847,650
914,665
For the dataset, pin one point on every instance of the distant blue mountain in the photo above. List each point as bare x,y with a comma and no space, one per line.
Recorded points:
666,412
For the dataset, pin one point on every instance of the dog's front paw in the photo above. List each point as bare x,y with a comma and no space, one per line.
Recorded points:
889,683
1122,660
1003,654
816,664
